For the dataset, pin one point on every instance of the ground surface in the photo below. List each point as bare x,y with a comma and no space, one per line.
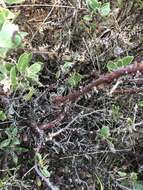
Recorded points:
78,157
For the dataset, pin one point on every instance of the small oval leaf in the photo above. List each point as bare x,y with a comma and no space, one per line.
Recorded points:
2,116
35,68
4,143
105,131
105,9
23,62
114,65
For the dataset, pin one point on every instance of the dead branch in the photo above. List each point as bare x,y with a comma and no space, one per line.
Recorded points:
104,79
128,91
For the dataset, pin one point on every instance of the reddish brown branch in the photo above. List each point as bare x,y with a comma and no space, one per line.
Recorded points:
128,91
108,78
136,81
53,123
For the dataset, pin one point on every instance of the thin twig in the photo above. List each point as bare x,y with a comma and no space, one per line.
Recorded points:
46,5
114,87
138,124
65,128
134,117
41,138
97,152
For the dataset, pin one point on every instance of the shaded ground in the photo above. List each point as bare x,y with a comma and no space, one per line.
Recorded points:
78,157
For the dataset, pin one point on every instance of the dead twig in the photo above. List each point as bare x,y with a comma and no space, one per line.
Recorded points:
114,87
52,135
96,152
47,5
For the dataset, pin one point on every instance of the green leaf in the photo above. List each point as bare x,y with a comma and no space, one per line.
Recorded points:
23,34
122,174
23,62
7,35
3,52
140,103
2,116
130,122
5,15
13,78
13,1
1,76
14,131
105,131
7,67
87,18
15,141
4,143
116,112
134,176
127,60
14,157
21,149
11,131
3,69
119,63
45,172
29,95
67,65
120,3
17,40
74,79
10,37
33,70
38,156
8,131
138,185
93,4
105,9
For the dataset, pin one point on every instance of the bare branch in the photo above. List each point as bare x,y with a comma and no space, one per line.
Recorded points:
128,91
105,79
